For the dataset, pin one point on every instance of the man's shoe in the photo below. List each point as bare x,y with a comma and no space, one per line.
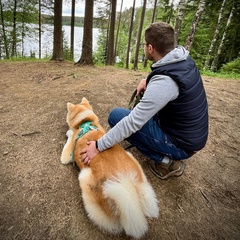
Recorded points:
163,170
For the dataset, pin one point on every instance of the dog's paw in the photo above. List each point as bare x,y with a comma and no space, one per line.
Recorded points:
66,159
69,133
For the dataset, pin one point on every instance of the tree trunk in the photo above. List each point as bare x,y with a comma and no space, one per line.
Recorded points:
86,57
57,33
139,35
178,24
39,30
110,46
23,30
207,61
171,13
153,18
154,10
4,31
72,31
119,21
215,60
195,22
14,31
130,35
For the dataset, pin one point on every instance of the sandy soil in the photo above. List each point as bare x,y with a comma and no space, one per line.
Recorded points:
40,198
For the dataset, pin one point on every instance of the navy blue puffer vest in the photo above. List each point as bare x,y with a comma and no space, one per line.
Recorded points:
185,120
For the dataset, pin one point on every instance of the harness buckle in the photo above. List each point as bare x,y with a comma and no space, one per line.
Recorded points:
85,128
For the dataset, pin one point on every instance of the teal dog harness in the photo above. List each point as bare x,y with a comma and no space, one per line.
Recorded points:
85,128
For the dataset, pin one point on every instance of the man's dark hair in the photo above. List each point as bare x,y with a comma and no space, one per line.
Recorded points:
161,36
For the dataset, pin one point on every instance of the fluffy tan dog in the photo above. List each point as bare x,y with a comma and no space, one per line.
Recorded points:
115,191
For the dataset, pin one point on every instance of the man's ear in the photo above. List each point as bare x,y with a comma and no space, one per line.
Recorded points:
151,48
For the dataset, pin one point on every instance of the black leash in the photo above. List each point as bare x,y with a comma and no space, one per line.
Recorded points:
134,100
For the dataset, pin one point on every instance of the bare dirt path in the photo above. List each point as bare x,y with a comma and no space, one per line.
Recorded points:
41,199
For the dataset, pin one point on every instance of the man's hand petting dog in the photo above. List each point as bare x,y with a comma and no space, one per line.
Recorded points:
88,153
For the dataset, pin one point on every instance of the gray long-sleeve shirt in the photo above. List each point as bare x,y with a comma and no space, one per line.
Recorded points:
160,90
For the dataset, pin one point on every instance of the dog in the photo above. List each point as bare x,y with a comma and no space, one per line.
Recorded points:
115,190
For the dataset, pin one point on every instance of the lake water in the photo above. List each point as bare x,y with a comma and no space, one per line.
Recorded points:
31,43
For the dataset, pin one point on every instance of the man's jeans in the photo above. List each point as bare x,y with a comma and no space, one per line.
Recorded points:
150,140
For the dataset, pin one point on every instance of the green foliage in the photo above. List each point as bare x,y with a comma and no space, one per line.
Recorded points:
48,19
232,67
99,57
221,75
206,30
66,49
121,47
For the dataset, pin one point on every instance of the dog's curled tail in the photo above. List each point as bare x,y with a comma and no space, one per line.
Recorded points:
125,191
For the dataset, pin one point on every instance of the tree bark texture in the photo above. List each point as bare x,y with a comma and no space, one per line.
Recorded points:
86,57
39,30
130,35
14,31
195,22
213,42
139,34
118,27
72,31
153,18
215,60
110,46
170,13
57,32
178,24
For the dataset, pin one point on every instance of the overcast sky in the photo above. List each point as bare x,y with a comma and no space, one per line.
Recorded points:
80,7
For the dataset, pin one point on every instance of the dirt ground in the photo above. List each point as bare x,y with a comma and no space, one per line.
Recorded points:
40,198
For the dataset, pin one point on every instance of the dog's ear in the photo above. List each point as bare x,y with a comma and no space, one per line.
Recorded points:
86,103
84,100
70,106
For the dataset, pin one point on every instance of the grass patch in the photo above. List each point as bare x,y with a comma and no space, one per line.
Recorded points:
232,75
221,75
